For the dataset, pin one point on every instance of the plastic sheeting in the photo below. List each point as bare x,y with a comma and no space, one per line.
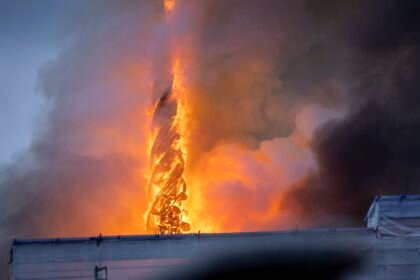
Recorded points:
396,215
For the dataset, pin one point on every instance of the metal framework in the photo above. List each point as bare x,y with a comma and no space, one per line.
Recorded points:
167,187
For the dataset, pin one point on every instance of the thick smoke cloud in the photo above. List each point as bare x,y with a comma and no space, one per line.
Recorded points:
301,112
243,53
375,149
84,173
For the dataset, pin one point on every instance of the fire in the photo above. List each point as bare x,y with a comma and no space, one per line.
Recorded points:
169,5
167,187
231,187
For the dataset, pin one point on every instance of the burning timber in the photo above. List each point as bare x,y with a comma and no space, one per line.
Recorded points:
167,187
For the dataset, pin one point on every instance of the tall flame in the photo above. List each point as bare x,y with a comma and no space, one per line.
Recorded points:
167,186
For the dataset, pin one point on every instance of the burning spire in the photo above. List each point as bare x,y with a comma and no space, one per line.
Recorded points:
167,187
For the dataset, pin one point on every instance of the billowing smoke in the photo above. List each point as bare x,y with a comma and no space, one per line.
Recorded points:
84,173
301,112
375,149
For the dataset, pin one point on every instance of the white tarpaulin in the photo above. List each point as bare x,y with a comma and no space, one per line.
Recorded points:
395,215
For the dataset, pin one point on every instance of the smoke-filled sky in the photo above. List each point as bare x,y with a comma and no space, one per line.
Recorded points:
299,112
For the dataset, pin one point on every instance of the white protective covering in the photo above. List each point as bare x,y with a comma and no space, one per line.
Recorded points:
395,215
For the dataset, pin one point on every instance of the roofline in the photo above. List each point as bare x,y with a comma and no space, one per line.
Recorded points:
100,238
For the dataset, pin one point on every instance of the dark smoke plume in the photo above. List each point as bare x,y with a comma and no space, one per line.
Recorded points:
375,149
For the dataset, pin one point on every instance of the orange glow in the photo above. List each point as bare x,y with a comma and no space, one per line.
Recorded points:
181,95
233,192
168,155
229,187
232,183
169,5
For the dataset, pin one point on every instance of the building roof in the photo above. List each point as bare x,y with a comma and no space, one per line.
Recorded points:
189,236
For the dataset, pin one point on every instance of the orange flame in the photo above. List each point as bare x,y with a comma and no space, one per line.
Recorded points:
169,5
167,186
230,188
167,162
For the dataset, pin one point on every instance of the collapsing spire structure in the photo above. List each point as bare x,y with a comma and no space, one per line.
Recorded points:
167,186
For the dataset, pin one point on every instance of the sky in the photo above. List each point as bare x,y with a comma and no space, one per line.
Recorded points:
28,40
